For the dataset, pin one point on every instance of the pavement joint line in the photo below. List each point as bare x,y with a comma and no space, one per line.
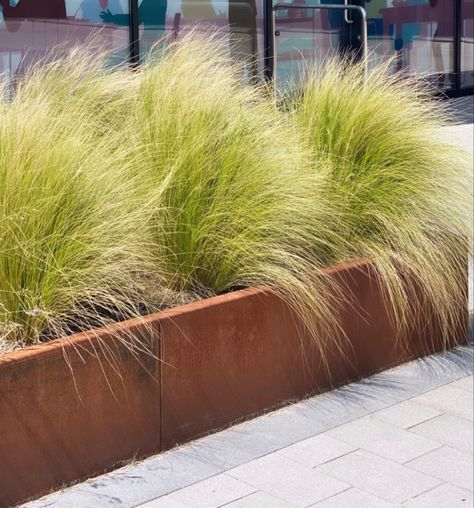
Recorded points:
337,458
407,462
408,429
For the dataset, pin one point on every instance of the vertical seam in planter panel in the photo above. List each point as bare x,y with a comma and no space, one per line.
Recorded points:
159,377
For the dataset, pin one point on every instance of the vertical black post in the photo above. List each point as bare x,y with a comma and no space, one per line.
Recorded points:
457,43
268,38
134,34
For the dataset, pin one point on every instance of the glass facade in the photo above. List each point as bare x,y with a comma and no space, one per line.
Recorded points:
304,35
420,35
433,37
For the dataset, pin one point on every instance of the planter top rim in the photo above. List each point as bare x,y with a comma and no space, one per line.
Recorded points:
83,338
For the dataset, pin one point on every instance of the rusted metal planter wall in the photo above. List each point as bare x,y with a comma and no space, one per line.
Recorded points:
74,408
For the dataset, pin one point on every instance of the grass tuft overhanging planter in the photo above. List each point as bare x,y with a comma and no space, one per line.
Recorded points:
77,407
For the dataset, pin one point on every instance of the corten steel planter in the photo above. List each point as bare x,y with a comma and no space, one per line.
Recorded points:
215,362
74,408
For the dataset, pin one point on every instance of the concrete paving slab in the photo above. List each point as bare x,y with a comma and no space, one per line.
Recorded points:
448,430
465,383
406,414
383,439
447,399
260,500
447,464
379,477
353,498
444,496
316,450
288,480
211,493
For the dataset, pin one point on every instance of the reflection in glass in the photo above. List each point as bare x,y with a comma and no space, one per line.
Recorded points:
313,36
243,35
30,29
23,9
235,21
419,32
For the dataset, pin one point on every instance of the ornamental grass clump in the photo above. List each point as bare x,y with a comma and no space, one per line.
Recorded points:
403,193
236,203
126,192
71,244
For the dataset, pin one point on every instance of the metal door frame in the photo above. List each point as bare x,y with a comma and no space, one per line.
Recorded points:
270,30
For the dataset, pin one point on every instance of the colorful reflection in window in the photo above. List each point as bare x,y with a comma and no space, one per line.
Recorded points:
419,32
239,24
29,29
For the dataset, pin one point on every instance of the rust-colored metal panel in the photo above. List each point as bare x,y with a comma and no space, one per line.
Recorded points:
229,357
74,408
225,359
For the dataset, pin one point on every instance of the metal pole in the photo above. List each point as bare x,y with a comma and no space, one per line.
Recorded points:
269,41
134,34
457,44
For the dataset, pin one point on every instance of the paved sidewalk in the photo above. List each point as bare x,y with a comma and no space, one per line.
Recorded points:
403,437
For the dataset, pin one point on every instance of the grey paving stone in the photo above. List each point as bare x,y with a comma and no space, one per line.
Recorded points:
316,450
260,500
406,414
466,383
288,480
447,464
355,498
444,496
138,483
283,427
163,502
383,439
448,430
448,399
213,492
380,477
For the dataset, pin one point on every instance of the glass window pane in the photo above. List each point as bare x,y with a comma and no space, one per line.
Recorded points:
467,43
239,24
312,36
31,28
419,32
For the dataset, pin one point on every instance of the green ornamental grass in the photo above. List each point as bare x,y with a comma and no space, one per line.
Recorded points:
71,252
236,202
404,194
127,192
